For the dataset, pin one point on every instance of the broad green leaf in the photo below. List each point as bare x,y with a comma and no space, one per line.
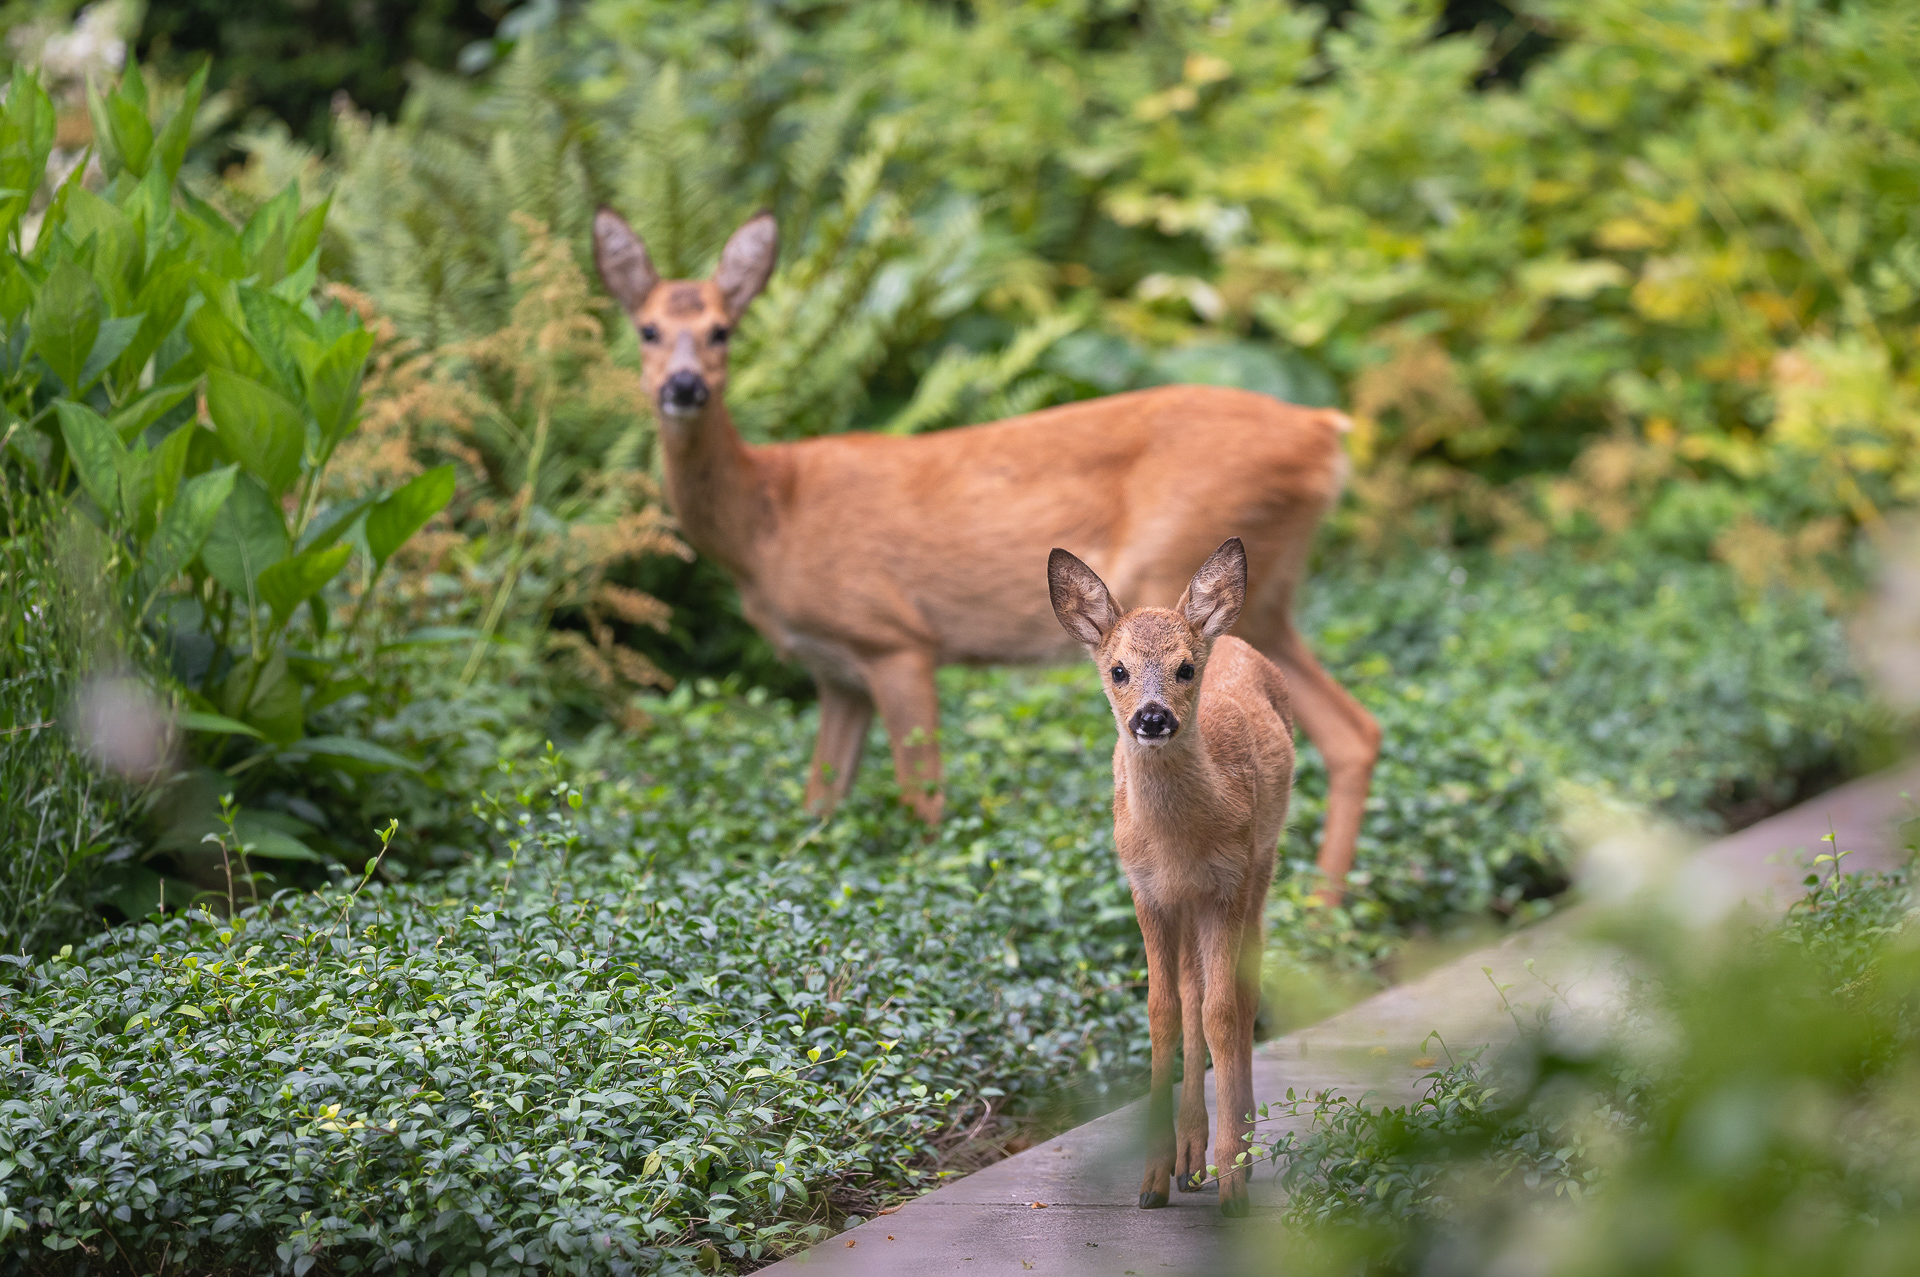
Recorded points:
168,462
274,707
303,240
333,523
133,419
129,129
97,454
115,336
249,537
27,128
262,835
352,748
274,324
221,343
66,321
184,526
390,523
300,281
333,385
264,241
170,148
163,299
119,249
288,584
218,724
264,432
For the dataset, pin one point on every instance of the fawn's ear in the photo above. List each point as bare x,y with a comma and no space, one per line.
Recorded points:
1080,599
624,265
746,263
1218,590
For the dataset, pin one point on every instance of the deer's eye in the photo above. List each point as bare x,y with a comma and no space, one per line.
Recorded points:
649,333
1119,673
720,334
1185,672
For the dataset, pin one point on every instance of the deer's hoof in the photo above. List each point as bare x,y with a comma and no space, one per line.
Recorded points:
1235,1207
1152,1201
1192,1183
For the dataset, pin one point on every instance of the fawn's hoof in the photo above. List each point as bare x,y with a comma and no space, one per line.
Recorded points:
1152,1201
1234,1207
1191,1183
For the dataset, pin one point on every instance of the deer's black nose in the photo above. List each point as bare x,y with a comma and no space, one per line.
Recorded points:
684,391
1151,722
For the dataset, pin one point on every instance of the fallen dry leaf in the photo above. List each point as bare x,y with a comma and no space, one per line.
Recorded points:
1423,1062
1036,1205
849,1242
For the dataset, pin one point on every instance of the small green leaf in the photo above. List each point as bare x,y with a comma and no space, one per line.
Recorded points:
219,724
353,749
333,523
184,525
66,321
249,537
288,584
170,148
334,385
96,451
131,420
404,513
115,336
264,432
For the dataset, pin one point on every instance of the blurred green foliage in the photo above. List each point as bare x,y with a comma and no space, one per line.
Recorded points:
1751,1113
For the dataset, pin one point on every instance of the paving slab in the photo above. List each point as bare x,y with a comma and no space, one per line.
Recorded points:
1068,1207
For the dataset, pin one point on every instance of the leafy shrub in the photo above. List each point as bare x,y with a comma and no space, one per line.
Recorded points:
170,375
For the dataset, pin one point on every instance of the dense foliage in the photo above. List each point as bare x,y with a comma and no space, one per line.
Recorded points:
1750,1114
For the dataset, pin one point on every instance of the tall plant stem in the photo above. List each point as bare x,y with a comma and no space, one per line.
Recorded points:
517,551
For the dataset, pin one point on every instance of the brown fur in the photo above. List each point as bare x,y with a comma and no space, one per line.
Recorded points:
872,560
1196,817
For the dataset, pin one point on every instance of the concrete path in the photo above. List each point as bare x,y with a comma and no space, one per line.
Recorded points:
1068,1206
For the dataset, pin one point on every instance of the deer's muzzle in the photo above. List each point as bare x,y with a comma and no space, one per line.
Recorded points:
683,393
1153,724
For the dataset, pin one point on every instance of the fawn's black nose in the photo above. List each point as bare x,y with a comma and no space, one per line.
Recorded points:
1153,722
684,392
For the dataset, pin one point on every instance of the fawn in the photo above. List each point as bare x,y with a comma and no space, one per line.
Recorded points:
1201,776
871,560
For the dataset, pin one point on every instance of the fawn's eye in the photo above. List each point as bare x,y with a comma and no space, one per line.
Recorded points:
1185,672
720,334
649,333
1119,673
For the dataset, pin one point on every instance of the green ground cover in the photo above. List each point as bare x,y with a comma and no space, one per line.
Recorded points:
590,1043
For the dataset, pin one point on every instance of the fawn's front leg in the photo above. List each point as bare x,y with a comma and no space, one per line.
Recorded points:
1190,1159
1231,1000
1161,931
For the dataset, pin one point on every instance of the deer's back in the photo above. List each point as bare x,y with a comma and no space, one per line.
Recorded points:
951,530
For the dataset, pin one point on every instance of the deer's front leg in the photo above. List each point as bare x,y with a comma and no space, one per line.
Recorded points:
845,715
902,686
1232,997
1190,1161
1161,931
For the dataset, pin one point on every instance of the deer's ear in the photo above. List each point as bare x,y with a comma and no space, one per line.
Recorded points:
1081,602
746,263
1218,590
624,265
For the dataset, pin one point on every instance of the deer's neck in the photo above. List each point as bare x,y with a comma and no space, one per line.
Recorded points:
717,486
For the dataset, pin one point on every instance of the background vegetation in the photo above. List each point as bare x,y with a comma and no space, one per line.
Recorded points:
327,504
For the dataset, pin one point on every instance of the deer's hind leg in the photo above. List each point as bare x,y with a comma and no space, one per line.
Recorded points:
902,686
845,715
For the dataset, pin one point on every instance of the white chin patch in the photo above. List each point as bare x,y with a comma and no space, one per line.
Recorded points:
1152,742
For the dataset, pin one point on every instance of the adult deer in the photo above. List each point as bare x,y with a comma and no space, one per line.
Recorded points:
872,560
1201,776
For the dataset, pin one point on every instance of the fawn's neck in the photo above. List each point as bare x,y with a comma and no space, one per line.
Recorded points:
716,485
1167,786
